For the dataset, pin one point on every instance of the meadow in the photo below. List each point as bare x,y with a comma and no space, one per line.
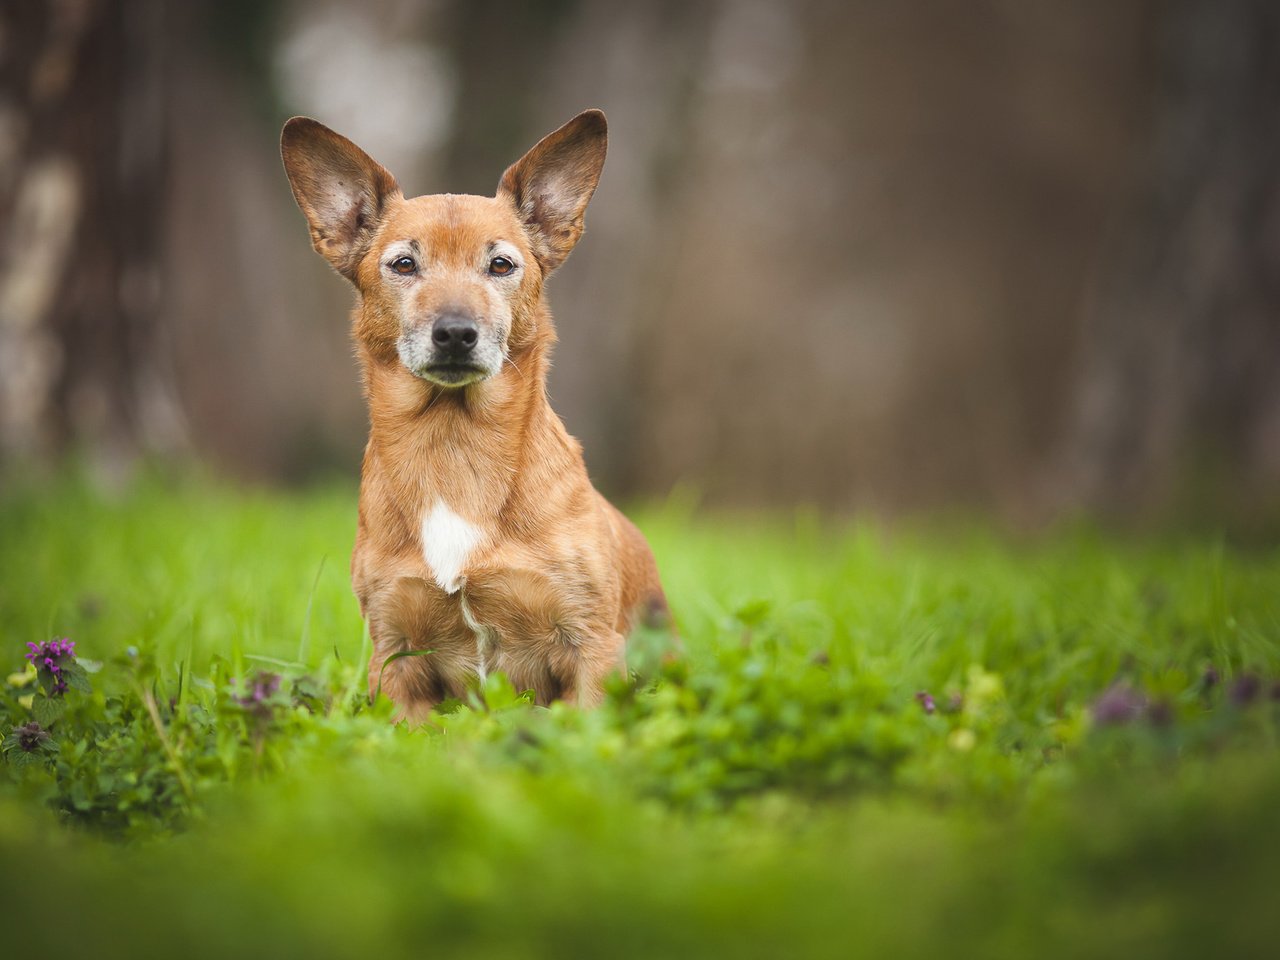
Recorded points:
895,740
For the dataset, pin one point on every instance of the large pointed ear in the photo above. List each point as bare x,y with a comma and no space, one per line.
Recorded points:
341,189
552,183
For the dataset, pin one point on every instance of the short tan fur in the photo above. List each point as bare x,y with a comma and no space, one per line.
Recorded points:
480,536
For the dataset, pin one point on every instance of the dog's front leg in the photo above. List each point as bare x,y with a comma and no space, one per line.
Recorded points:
598,660
422,651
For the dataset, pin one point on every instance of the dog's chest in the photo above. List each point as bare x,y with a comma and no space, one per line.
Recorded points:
448,544
500,592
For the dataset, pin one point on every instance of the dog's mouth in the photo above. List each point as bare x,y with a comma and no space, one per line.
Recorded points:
453,374
448,367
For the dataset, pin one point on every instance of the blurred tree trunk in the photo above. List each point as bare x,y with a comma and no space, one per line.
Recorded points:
1179,388
81,189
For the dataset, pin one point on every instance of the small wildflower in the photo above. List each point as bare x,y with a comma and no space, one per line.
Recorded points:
925,699
1210,678
1245,690
50,658
28,744
31,737
262,688
1120,703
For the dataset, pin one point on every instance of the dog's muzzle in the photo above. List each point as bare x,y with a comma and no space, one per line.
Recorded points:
453,351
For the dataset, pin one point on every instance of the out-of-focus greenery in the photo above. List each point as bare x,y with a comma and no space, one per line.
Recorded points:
917,743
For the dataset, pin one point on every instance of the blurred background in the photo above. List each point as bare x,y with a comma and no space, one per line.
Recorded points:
1007,255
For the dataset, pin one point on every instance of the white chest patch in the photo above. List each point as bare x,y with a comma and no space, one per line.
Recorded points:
447,542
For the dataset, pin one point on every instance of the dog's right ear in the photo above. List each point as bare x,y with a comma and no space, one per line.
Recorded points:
341,189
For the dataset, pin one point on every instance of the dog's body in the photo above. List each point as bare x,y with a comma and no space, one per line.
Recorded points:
480,537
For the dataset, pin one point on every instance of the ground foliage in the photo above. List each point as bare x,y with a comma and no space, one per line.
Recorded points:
905,740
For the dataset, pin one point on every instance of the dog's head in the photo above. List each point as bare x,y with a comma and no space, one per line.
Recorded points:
449,284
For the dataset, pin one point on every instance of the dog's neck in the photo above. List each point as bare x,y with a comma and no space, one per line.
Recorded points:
483,450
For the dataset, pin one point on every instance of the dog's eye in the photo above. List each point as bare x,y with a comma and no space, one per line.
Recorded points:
501,266
404,265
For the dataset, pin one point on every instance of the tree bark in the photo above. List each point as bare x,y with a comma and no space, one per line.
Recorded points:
81,191
1179,401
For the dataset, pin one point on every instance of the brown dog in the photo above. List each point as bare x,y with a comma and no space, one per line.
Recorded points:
480,537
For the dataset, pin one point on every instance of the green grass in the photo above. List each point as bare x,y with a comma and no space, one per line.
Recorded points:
781,793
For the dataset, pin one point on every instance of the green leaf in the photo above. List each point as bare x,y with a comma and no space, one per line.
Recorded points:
77,678
21,758
499,693
48,710
396,656
276,661
754,612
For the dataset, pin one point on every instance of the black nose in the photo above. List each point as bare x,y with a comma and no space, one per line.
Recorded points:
454,334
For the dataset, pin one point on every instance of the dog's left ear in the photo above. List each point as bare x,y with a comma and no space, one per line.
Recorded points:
552,183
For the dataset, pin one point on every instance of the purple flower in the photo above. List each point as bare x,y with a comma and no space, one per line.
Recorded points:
49,659
925,699
1119,704
30,737
261,689
1244,690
